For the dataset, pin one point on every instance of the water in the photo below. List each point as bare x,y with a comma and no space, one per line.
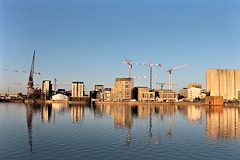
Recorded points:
60,131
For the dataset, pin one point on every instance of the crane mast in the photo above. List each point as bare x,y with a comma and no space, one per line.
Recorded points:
170,74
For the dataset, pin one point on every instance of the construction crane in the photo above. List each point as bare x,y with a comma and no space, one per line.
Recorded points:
130,64
20,71
150,65
30,86
161,85
170,74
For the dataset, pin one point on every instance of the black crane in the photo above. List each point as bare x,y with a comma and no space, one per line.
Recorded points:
30,78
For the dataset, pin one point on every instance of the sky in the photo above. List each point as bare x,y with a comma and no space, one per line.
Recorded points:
85,40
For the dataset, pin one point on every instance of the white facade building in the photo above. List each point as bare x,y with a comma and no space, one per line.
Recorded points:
195,93
60,97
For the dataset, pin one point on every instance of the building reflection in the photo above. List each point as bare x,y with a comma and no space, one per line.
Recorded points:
46,112
59,106
222,122
100,110
77,113
164,110
194,114
144,111
122,116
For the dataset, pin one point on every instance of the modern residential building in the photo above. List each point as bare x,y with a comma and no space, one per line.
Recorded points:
223,82
166,96
77,89
122,89
143,94
47,88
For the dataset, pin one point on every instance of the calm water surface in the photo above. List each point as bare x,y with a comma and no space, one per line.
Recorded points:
61,131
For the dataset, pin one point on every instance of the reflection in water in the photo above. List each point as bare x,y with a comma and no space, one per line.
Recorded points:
46,112
222,122
122,116
29,126
30,110
59,106
77,113
194,114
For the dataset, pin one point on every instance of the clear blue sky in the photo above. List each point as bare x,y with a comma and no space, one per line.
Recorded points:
85,40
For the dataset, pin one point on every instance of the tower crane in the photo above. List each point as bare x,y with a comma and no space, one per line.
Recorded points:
130,65
169,71
161,85
150,65
20,71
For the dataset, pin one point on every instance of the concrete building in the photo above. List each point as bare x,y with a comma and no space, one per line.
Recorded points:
223,82
77,89
107,94
166,96
122,89
47,88
143,94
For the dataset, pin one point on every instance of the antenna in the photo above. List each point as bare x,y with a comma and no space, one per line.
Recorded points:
55,84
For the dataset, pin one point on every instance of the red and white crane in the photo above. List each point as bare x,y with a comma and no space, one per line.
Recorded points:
170,74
